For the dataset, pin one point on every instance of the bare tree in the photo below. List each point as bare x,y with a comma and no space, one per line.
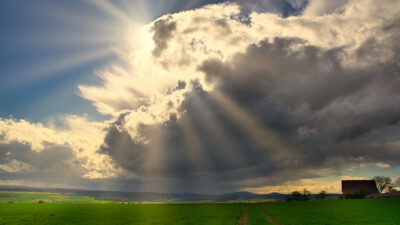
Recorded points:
382,182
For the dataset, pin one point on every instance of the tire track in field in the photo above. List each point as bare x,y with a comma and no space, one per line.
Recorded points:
244,216
272,219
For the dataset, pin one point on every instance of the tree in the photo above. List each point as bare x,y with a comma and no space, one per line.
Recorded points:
296,196
306,196
382,182
321,195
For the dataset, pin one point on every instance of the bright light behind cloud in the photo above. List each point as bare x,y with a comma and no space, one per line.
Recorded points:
253,102
82,39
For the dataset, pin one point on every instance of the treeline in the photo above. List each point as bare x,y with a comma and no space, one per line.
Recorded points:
306,195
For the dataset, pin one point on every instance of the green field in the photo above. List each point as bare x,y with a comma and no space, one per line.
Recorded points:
363,211
255,216
354,211
72,213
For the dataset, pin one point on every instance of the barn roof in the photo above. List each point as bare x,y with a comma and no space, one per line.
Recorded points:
351,186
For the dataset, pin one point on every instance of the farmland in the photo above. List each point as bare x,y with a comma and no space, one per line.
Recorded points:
255,216
362,211
355,211
70,213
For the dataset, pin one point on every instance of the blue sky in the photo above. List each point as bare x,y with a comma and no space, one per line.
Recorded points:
25,28
24,24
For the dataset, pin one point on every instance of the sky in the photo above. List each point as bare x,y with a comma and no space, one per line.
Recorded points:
199,96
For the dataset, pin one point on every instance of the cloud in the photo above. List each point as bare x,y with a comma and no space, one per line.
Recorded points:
271,106
27,145
14,166
205,102
323,7
54,164
163,31
379,165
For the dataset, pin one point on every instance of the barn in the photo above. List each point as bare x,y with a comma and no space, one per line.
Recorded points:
358,188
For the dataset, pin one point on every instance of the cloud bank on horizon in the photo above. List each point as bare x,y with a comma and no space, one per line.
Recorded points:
247,95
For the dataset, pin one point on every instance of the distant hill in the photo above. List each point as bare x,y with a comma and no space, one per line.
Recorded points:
120,196
250,196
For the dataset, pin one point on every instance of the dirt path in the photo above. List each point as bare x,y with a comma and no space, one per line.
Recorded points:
272,219
244,216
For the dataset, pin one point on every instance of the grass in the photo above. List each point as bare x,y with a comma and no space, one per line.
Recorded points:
255,216
63,209
355,211
102,214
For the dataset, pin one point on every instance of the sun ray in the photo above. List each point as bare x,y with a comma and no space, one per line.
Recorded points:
112,10
70,61
154,160
140,11
227,145
259,132
195,149
193,145
38,71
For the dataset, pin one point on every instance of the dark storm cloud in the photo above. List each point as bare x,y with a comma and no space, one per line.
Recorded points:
266,68
330,111
220,150
121,147
163,30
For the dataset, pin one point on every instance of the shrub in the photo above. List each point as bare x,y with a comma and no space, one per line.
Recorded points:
288,199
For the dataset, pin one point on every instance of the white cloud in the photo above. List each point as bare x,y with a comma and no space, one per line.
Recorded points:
323,7
82,136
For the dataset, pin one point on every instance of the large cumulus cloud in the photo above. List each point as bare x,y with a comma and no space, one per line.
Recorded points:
329,115
282,108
